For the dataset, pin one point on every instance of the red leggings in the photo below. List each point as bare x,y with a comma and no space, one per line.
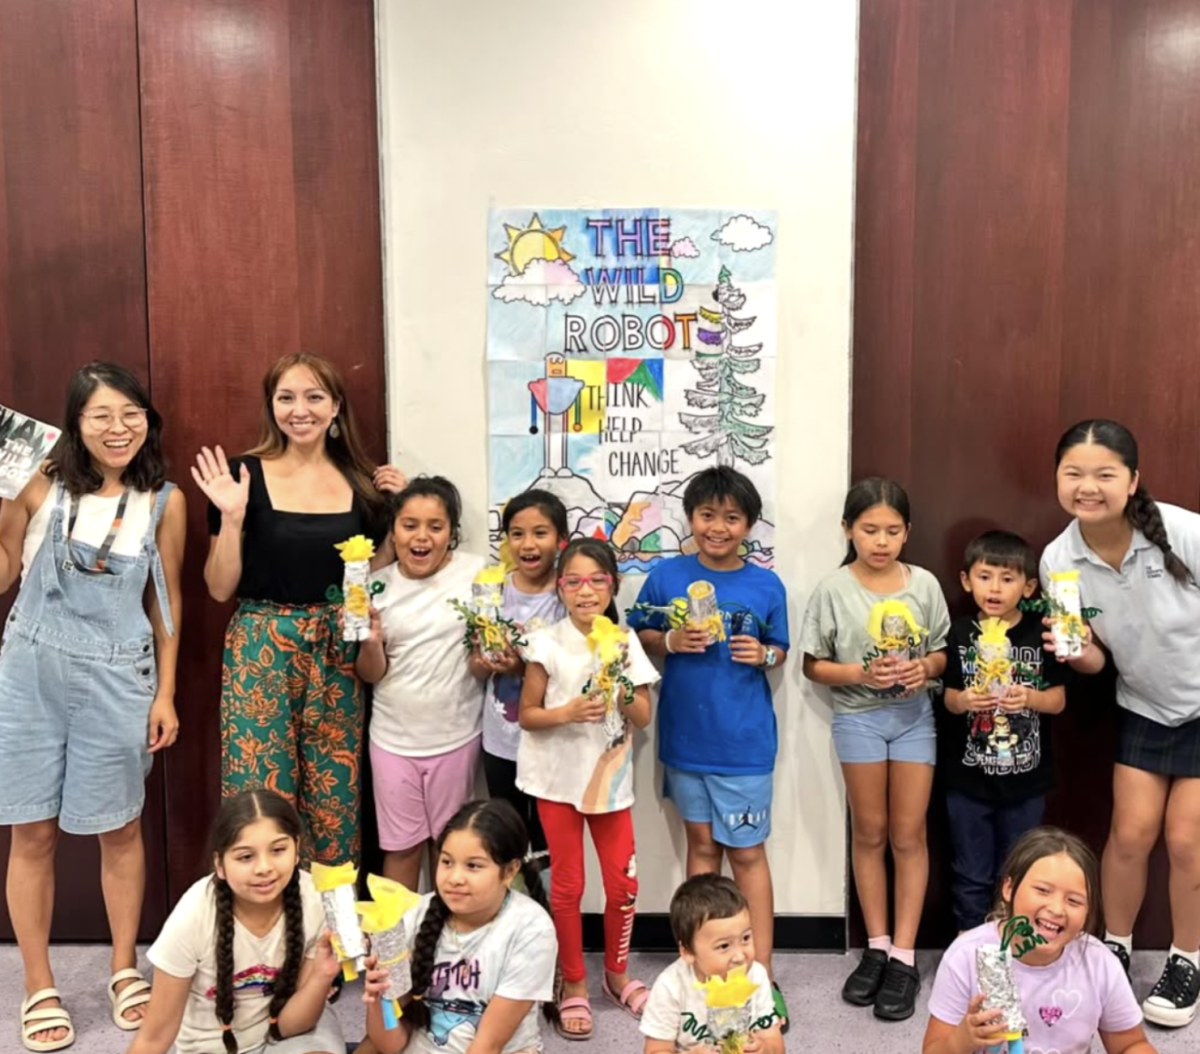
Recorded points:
612,835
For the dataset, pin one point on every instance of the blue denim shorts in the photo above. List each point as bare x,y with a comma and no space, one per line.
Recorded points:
900,731
74,718
737,807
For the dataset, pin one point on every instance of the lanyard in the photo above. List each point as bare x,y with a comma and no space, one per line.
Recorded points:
73,561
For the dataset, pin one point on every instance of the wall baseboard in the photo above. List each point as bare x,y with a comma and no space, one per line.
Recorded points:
800,933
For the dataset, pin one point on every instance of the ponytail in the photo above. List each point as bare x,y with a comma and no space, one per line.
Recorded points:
1143,512
224,994
531,875
285,982
423,955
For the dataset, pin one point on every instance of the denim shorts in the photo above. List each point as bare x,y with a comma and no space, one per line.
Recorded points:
901,731
74,724
737,807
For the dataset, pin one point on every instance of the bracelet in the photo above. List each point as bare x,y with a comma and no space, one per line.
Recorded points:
667,642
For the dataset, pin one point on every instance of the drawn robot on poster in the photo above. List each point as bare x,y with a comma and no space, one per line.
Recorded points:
627,350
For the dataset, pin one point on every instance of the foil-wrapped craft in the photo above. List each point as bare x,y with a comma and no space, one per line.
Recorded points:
993,659
487,630
336,886
703,612
357,587
1066,613
897,635
994,969
609,645
385,917
730,1016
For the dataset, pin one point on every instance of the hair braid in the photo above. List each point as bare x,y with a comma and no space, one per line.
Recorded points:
531,875
424,953
1144,514
285,982
224,1000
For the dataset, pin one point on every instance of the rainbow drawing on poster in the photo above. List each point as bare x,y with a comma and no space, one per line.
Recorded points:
627,350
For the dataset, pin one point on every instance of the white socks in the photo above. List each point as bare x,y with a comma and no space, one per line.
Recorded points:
1192,957
881,944
908,956
1124,942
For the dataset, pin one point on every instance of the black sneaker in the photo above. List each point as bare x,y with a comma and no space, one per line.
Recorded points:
897,998
1172,1002
1121,952
862,986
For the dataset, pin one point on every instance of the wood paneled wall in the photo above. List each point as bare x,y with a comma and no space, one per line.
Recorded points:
190,188
1027,217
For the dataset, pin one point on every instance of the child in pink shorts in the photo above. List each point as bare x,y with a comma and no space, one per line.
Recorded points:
428,711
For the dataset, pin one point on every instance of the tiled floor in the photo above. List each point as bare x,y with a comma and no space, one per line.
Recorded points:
822,1023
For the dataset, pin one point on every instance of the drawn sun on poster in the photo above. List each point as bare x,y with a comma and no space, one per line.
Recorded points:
533,242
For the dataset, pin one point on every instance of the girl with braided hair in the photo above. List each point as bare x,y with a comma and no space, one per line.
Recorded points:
483,954
1136,560
243,961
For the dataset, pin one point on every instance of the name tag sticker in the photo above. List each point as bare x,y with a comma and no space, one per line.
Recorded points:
1154,572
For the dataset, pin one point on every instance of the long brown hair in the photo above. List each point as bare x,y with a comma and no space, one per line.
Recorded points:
234,815
1050,841
345,450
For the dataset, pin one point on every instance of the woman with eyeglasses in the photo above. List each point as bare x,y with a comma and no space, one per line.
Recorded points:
87,674
291,705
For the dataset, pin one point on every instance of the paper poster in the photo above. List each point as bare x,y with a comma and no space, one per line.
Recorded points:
628,349
24,444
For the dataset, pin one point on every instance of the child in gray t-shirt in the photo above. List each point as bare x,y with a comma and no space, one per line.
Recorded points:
874,633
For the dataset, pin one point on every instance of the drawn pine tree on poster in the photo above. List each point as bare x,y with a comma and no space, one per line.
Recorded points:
721,362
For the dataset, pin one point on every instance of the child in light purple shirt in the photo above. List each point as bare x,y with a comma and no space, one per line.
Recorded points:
1072,988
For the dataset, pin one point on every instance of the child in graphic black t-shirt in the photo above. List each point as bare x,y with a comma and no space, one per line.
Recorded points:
994,745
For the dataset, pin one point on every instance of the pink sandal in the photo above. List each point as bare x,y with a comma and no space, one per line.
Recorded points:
577,1008
632,998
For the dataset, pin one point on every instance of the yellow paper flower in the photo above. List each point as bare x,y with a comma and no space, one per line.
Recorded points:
734,990
326,877
1064,576
993,631
491,576
606,639
356,549
886,609
357,601
389,904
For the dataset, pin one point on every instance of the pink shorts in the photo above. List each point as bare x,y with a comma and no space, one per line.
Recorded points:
415,797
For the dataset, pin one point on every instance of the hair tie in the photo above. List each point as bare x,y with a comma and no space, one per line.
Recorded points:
227,1028
417,998
562,544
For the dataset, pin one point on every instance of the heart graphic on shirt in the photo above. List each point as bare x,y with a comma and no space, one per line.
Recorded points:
1068,1000
1044,1050
1050,1014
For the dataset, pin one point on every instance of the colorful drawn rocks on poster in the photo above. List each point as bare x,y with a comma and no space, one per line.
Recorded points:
24,443
627,350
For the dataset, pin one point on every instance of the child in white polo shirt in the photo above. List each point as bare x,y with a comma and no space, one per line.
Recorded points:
1136,560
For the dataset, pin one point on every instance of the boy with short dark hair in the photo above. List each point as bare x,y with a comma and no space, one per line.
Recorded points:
995,746
711,924
717,736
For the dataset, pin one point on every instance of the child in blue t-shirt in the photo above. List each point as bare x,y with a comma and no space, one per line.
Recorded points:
716,722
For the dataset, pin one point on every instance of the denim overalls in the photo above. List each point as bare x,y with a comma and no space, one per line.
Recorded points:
77,678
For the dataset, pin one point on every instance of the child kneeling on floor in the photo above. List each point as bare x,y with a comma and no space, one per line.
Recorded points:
710,920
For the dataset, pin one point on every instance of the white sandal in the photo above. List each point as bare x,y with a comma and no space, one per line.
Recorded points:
44,1020
132,995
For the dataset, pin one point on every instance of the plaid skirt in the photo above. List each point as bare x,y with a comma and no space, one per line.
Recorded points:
1152,747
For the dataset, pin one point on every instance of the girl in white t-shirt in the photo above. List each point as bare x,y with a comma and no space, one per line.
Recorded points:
576,759
1070,987
483,954
428,704
243,958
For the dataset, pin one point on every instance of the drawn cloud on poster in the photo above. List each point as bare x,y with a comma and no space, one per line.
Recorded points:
685,248
744,234
541,282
